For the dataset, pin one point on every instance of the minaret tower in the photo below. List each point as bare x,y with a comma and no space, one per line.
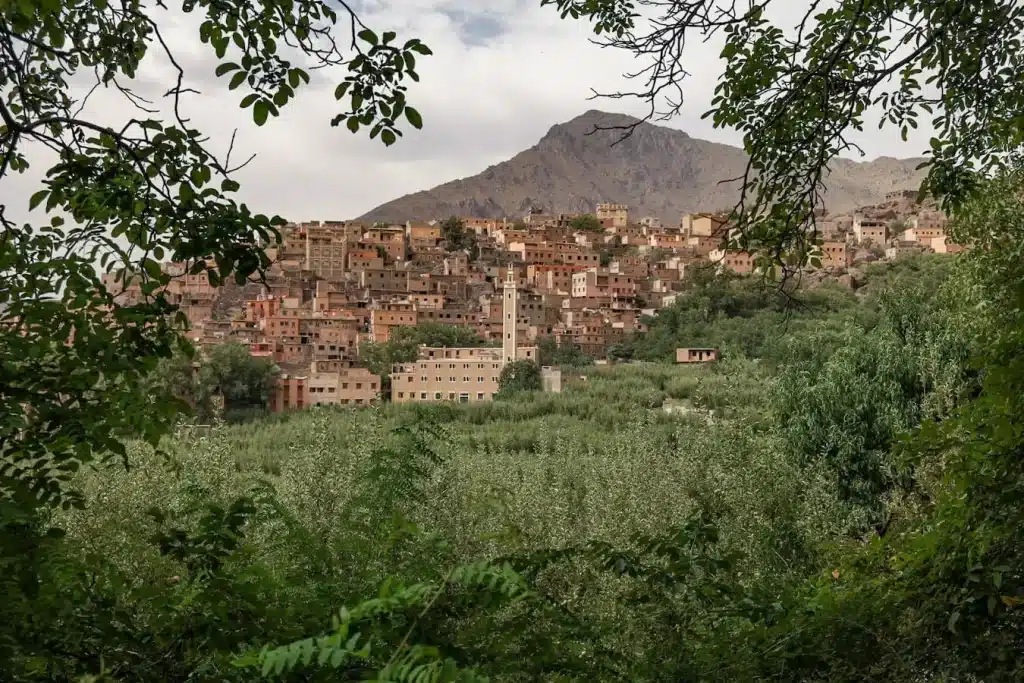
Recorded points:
509,317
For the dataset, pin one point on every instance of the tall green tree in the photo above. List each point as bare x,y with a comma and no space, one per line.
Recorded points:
231,377
457,237
519,375
586,222
122,199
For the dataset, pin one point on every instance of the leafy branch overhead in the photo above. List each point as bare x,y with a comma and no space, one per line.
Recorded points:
799,90
377,97
84,308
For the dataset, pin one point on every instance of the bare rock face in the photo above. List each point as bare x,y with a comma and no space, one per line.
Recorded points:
657,171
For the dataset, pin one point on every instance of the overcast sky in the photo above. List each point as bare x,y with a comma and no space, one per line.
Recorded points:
498,80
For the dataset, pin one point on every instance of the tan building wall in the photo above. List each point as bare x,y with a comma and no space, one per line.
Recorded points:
942,245
865,230
598,282
449,316
696,355
382,322
347,386
552,277
739,262
386,280
924,235
451,374
703,225
836,255
616,214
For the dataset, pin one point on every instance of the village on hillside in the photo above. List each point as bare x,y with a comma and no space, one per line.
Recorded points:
585,281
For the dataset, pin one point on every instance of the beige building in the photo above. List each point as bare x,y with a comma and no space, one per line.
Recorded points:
595,282
614,215
869,230
344,386
703,225
836,255
739,262
696,355
452,374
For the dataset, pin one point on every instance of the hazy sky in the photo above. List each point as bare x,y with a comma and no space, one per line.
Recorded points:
498,80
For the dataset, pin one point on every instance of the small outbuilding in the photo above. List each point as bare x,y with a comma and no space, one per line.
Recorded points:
696,355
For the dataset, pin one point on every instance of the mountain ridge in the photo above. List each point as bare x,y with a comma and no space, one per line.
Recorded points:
657,171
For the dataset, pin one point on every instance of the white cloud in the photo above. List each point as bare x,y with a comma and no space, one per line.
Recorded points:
484,95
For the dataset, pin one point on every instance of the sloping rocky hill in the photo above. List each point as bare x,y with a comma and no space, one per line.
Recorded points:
658,171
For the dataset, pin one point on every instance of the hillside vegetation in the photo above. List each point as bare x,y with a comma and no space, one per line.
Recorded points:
773,524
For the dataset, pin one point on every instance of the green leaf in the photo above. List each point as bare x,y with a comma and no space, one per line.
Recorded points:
342,88
237,80
37,199
228,185
387,136
260,112
248,100
353,124
226,67
422,49
368,36
389,36
414,118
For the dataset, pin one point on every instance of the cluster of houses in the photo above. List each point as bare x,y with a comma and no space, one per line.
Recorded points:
335,286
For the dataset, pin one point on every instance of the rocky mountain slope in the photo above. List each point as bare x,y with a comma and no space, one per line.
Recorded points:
658,171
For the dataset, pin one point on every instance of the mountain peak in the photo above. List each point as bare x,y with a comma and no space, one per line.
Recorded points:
657,171
596,117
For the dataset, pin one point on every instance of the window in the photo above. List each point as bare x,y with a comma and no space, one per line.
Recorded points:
401,395
480,397
439,378
451,396
480,379
423,396
463,398
359,385
437,396
451,379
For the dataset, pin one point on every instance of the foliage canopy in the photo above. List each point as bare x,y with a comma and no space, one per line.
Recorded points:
800,83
